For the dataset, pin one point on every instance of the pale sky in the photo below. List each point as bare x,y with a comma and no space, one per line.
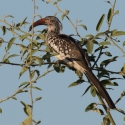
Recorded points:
59,105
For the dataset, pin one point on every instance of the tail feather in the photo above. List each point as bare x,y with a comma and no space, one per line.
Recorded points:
99,87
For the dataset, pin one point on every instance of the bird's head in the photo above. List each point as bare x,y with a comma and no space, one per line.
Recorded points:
52,22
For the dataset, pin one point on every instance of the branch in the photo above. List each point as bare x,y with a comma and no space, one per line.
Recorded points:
122,95
16,44
107,110
59,10
115,44
18,91
48,71
98,57
33,65
112,72
113,7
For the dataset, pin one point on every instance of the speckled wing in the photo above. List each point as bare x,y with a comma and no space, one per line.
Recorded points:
71,53
68,49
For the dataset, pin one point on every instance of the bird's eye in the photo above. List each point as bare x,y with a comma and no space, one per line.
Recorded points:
51,21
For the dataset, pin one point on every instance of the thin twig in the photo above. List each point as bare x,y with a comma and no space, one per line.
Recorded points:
115,44
112,72
48,71
33,65
32,33
17,92
113,7
98,57
67,18
20,45
122,95
107,110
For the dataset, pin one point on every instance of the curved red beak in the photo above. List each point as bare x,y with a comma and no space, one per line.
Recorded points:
37,23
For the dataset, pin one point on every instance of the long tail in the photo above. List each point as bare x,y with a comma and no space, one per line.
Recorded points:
99,87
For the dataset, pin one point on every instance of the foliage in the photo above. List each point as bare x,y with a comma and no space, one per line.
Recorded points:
96,46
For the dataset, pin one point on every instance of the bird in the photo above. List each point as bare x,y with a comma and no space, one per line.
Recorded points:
69,51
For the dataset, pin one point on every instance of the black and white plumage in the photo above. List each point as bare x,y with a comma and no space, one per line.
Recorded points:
70,52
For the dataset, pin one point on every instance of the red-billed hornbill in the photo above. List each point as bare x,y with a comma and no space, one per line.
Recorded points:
70,52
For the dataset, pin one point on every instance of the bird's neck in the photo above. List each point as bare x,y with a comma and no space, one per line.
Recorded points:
52,31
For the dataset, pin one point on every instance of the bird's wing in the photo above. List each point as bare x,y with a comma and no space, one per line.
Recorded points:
73,49
66,45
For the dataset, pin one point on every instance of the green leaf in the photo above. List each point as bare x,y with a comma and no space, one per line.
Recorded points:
101,47
124,119
9,16
39,60
23,103
83,26
11,56
38,98
99,111
54,3
108,82
27,110
123,71
27,121
100,22
32,52
118,33
37,72
89,46
32,73
104,43
1,41
21,91
57,67
48,1
79,74
106,120
86,90
90,107
24,83
99,34
55,14
66,12
110,14
0,110
42,36
34,87
106,62
113,31
107,53
4,30
124,68
24,36
10,43
38,122
79,81
47,57
103,73
14,98
23,21
124,43
47,49
39,16
89,35
93,91
62,17
59,0
23,70
116,12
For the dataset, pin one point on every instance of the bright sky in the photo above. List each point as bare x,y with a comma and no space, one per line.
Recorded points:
59,105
